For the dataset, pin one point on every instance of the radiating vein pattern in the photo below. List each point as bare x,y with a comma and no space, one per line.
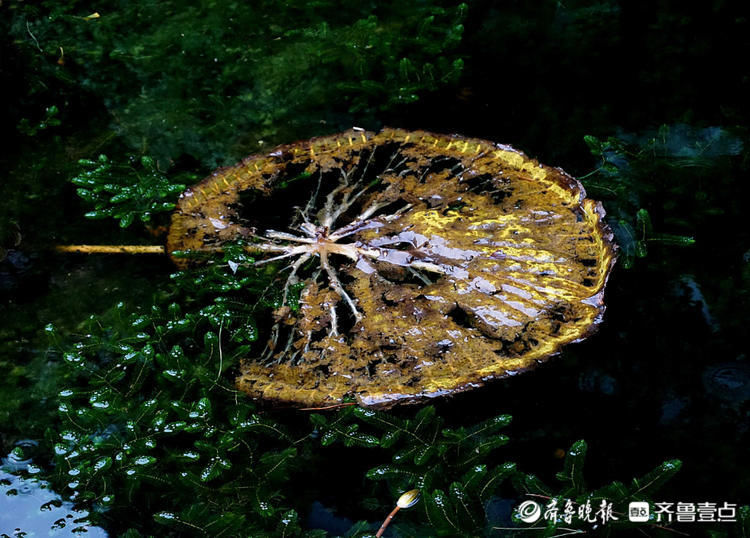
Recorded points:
428,264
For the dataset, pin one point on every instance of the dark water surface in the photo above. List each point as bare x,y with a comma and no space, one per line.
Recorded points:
667,375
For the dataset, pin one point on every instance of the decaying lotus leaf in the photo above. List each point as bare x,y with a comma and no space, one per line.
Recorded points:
428,263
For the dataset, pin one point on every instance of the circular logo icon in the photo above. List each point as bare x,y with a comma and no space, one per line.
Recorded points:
529,511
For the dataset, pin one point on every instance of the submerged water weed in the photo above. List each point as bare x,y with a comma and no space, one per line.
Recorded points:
151,425
461,478
125,192
263,70
672,164
153,435
50,120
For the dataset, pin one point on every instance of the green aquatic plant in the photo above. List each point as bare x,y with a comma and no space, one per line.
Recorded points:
263,70
153,434
125,191
460,477
671,162
50,120
149,413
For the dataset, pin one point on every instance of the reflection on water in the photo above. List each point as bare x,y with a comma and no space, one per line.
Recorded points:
28,507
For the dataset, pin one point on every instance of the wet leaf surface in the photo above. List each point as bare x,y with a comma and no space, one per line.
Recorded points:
427,264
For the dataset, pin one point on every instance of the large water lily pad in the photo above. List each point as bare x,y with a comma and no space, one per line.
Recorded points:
414,265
